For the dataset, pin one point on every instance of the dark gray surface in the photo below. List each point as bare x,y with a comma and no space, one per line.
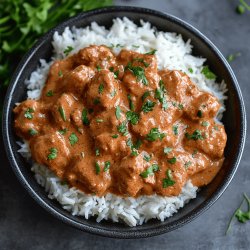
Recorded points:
24,225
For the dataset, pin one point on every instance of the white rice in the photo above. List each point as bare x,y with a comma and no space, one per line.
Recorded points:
172,53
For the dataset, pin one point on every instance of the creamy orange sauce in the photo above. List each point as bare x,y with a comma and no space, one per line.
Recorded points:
116,124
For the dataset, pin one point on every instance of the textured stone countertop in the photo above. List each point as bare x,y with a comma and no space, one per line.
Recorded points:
25,225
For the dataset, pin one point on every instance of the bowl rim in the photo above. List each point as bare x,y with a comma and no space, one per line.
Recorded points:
148,232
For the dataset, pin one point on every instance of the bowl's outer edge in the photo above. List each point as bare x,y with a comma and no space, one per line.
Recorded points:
6,126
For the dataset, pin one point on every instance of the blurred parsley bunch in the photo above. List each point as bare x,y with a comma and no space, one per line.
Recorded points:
23,21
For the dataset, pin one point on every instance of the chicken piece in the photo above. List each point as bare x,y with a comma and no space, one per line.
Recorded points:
29,116
96,57
90,175
204,106
62,110
157,118
103,90
76,80
51,150
140,72
127,175
170,178
210,139
106,121
204,177
113,146
193,161
179,86
57,71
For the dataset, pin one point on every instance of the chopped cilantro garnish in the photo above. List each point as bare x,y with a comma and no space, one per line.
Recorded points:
97,151
134,152
145,95
132,117
98,67
167,150
152,52
149,171
33,132
190,70
208,73
131,105
116,74
53,154
29,113
180,106
187,164
99,120
172,160
118,112
97,168
155,134
100,88
113,93
134,147
166,182
232,57
160,95
67,50
49,93
138,72
194,153
106,166
73,139
195,136
62,113
216,128
199,113
147,158
129,143
114,136
142,61
240,9
122,128
85,119
175,129
205,123
60,73
148,106
137,144
63,131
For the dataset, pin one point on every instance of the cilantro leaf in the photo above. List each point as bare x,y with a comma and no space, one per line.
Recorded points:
160,94
149,171
85,119
155,134
208,73
148,106
132,117
138,72
53,154
195,136
68,50
29,113
73,139
152,52
118,112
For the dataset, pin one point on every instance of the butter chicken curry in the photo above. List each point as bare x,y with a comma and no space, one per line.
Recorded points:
116,124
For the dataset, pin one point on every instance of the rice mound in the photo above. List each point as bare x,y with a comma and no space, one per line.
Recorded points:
172,53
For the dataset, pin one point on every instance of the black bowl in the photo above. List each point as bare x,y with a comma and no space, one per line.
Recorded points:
234,120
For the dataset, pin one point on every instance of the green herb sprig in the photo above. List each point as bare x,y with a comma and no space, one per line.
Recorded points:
241,216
